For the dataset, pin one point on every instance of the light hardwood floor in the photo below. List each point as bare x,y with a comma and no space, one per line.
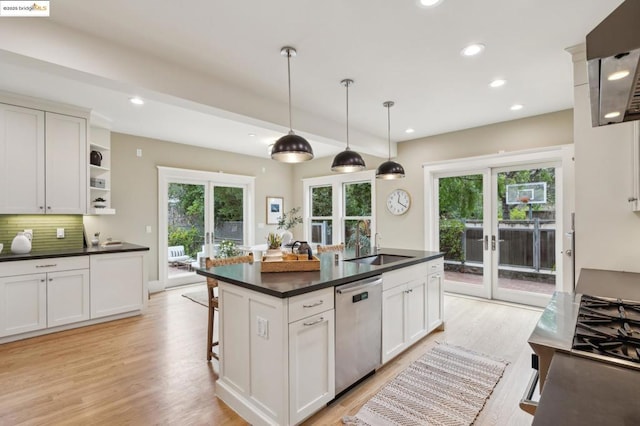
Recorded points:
152,369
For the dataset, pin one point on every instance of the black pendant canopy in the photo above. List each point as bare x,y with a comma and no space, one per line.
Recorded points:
389,169
347,161
291,148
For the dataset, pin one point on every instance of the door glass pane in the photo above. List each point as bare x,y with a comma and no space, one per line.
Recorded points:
461,228
526,230
228,214
185,213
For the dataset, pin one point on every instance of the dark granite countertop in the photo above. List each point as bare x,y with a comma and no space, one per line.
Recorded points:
8,256
287,284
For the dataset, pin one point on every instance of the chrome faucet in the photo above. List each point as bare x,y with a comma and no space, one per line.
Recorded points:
377,238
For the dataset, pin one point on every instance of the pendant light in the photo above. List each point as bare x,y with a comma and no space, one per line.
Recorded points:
291,148
389,169
347,161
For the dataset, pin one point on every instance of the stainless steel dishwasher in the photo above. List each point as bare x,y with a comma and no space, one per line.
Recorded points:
358,330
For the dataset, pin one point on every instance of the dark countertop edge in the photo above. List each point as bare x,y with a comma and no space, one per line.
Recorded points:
85,251
332,283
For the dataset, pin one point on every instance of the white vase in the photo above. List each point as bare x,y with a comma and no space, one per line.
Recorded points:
21,244
287,236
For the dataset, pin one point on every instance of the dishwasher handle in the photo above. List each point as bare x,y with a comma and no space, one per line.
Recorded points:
358,285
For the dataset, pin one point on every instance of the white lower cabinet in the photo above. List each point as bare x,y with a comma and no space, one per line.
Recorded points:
435,283
23,300
117,283
67,297
403,317
411,305
311,365
39,294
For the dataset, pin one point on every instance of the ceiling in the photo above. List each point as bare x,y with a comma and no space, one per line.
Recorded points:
394,50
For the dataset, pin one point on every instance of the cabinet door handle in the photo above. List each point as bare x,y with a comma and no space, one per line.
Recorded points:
50,279
50,265
307,324
41,281
313,305
41,207
48,207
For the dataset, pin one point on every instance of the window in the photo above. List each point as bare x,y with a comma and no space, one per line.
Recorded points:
340,208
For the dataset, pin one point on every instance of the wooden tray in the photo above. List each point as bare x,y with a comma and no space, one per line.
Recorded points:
291,263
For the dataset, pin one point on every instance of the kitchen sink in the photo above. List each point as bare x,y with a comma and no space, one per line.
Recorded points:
379,259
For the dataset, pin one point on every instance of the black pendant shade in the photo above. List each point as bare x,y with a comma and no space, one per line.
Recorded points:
291,148
389,169
347,161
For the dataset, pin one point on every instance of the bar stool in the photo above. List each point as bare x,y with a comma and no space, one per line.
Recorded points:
212,283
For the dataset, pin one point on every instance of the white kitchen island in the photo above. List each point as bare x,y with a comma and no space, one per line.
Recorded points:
277,330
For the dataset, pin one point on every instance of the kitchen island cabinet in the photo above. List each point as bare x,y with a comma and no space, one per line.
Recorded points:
277,332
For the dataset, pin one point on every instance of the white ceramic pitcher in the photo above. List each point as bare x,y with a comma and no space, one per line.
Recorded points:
21,244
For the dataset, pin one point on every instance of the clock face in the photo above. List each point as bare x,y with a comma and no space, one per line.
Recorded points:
398,202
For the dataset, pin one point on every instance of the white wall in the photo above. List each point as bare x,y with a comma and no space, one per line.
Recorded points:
607,231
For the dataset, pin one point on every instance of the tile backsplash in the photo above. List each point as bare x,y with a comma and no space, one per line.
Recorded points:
44,231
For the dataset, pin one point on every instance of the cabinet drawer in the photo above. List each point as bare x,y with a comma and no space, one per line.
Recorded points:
52,264
436,265
312,303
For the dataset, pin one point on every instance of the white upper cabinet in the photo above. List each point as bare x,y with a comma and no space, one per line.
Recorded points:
22,188
43,162
66,164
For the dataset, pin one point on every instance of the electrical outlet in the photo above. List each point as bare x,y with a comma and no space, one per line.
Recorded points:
148,229
60,233
263,327
138,152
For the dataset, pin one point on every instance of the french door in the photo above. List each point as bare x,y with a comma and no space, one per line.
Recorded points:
497,227
197,212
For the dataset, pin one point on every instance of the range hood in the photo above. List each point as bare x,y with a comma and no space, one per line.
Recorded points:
613,54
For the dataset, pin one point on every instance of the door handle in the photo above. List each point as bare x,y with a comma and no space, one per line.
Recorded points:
493,243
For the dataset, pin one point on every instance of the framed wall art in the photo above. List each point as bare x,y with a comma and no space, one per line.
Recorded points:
275,209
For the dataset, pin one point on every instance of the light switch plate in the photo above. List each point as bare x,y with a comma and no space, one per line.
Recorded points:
60,233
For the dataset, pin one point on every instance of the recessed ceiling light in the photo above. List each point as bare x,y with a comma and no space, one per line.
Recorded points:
498,83
136,101
618,75
613,114
409,130
472,49
429,3
516,107
251,135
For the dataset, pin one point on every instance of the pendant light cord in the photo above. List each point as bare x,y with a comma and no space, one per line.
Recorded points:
389,128
289,82
347,86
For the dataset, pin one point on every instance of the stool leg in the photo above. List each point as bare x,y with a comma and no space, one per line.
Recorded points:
210,334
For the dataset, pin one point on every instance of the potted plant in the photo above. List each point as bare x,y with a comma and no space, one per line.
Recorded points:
287,221
274,241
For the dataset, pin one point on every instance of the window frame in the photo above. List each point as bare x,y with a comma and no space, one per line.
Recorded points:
337,182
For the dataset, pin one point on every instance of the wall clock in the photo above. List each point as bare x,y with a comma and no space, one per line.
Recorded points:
398,202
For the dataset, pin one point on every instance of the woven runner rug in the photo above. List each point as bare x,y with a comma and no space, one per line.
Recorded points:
448,386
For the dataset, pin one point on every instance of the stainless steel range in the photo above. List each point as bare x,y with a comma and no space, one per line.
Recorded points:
601,321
